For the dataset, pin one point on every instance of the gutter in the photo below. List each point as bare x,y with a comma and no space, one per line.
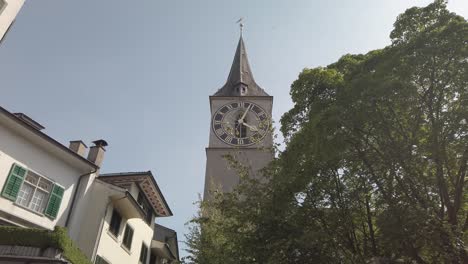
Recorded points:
75,194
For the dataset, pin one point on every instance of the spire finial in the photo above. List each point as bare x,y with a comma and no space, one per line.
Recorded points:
241,24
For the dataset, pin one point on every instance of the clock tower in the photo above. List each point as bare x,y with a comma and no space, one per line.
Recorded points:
240,126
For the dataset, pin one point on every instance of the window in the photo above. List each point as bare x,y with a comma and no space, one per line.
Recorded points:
145,206
152,259
142,201
149,216
115,223
143,253
128,236
3,4
100,260
33,191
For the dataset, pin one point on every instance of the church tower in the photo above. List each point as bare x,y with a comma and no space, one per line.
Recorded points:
240,126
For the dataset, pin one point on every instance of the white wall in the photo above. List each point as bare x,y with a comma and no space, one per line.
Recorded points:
16,149
93,227
7,16
111,248
86,222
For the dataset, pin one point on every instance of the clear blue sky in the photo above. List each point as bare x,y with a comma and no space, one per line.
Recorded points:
138,73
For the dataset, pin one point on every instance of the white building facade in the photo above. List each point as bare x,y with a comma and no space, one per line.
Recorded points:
38,176
120,218
9,9
43,184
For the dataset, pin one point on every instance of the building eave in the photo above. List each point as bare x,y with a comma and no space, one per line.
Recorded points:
110,178
54,143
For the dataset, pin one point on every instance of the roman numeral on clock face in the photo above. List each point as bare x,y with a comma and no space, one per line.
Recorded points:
217,125
244,105
227,125
218,117
219,131
256,109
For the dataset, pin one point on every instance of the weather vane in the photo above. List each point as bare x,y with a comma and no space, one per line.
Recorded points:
241,24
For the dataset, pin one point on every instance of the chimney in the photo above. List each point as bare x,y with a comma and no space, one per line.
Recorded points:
96,152
78,146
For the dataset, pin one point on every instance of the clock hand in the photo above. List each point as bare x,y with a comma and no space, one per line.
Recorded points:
252,128
245,113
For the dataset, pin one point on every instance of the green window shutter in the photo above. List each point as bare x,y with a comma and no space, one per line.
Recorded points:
13,183
55,199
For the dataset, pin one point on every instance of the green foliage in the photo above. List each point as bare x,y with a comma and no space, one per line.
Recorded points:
375,163
43,239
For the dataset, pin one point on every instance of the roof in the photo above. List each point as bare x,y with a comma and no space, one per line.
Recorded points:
167,236
241,77
29,121
53,142
163,250
147,183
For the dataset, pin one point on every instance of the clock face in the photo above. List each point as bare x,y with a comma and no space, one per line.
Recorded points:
240,123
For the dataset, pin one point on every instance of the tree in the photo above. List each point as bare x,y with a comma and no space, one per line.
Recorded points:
375,162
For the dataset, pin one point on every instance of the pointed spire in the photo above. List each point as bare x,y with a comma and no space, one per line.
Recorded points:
240,81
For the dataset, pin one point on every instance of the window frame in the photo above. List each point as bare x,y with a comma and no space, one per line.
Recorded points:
144,248
111,226
3,7
17,179
125,237
100,260
145,205
35,188
153,258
